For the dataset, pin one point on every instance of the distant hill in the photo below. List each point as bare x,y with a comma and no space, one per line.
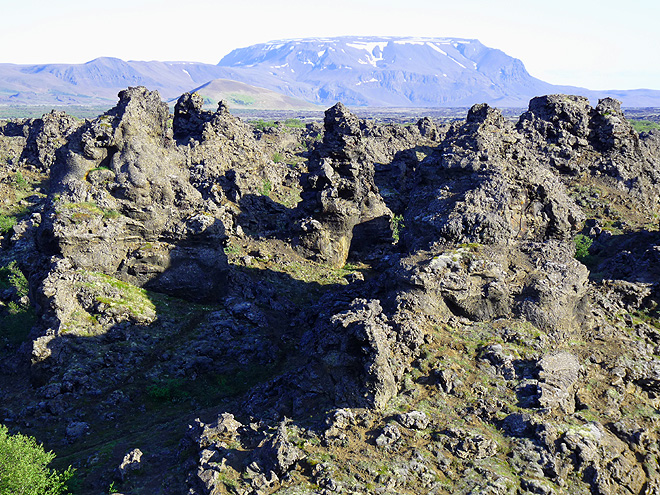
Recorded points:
359,71
245,96
98,81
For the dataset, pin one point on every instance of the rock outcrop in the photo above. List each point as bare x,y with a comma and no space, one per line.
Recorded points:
345,206
483,185
123,205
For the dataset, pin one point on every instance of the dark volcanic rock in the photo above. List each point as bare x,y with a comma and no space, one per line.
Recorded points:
575,138
483,185
341,188
125,206
345,208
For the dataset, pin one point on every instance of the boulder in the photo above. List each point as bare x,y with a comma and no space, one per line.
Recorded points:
356,349
558,376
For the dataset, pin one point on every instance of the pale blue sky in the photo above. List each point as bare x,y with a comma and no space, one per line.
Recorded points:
599,44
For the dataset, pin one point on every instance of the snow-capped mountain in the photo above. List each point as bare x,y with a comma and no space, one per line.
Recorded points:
387,71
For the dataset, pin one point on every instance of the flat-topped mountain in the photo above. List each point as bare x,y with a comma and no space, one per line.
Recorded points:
400,72
388,71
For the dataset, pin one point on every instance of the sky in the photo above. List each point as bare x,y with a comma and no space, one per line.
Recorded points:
597,44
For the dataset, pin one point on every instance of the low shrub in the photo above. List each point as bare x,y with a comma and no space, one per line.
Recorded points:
6,223
397,227
582,245
168,390
295,123
24,467
263,124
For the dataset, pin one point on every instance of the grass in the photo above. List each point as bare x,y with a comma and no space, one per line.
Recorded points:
12,277
111,295
288,197
20,182
315,272
168,390
582,245
14,211
6,223
266,188
37,111
17,323
232,249
208,389
644,125
301,281
648,316
84,209
130,297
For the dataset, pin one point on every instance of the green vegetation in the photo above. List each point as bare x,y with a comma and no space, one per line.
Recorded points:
470,246
294,123
266,187
37,111
20,182
12,277
277,157
232,249
233,384
110,214
207,389
261,124
644,125
241,99
125,298
23,467
311,272
168,390
84,210
582,245
19,317
120,299
6,223
105,121
288,197
397,227
648,316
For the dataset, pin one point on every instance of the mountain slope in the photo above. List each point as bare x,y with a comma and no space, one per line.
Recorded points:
245,96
